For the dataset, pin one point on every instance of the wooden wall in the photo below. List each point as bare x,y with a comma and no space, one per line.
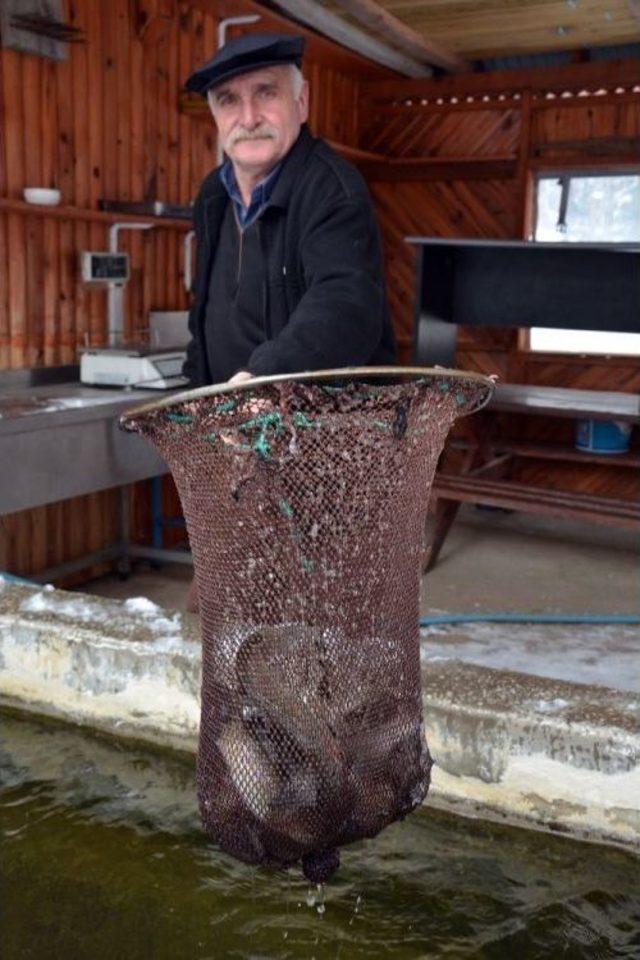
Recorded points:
107,123
456,157
449,157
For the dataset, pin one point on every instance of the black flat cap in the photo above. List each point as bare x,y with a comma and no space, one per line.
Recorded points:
248,52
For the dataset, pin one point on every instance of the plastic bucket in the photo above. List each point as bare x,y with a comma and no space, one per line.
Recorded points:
602,436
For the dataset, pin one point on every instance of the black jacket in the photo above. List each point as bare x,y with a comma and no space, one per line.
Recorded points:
323,293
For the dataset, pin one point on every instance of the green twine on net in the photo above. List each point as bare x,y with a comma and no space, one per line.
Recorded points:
180,417
262,424
286,509
227,405
302,420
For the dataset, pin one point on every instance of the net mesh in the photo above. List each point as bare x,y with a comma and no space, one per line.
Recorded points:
305,504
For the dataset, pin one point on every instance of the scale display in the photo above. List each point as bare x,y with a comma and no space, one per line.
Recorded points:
101,267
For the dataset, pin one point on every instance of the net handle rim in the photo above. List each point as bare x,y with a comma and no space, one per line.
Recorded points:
352,373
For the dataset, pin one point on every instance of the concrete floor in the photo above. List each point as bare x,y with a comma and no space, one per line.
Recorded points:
496,561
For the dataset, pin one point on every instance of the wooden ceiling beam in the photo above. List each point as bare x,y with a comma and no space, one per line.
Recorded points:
601,73
335,28
317,46
372,15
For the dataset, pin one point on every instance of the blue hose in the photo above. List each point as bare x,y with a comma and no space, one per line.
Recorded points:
528,618
10,578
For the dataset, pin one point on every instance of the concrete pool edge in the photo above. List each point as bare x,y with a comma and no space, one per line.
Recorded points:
535,752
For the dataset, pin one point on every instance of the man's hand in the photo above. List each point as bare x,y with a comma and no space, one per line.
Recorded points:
254,407
240,377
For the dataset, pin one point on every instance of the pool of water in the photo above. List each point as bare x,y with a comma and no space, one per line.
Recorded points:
103,858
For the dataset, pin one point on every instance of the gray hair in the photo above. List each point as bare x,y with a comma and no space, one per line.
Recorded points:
297,79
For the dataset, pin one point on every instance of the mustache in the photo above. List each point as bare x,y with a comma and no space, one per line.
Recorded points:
263,130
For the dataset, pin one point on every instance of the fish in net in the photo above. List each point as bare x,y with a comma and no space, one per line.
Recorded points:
305,500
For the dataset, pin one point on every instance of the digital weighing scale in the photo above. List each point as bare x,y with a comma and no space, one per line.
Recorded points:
133,366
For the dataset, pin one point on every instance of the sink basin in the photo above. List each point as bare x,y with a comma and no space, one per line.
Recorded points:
50,399
20,406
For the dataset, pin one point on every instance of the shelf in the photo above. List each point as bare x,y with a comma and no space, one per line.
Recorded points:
557,451
379,166
88,216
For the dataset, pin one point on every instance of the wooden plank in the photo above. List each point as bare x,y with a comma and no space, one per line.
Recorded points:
122,98
415,45
96,233
54,533
317,47
523,176
65,143
593,147
31,122
34,279
606,74
136,111
67,274
91,216
340,31
162,93
17,290
81,171
136,160
208,157
150,122
551,451
514,494
544,507
50,293
48,124
170,108
109,102
185,194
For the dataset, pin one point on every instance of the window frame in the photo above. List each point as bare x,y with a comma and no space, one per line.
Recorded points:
553,171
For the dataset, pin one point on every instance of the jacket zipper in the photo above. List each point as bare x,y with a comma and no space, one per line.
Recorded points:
265,283
241,234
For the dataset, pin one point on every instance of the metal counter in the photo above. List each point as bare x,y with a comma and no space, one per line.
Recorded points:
61,439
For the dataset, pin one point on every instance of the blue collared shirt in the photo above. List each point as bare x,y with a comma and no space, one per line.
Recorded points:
259,195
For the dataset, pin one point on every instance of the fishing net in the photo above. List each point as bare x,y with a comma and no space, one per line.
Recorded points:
305,502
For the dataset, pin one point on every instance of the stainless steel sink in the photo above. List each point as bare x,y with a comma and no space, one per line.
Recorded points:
63,440
52,398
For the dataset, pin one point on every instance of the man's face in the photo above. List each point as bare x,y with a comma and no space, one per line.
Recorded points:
258,117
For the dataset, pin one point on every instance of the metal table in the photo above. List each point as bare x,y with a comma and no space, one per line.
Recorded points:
60,439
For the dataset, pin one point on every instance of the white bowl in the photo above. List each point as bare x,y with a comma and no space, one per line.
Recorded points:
42,195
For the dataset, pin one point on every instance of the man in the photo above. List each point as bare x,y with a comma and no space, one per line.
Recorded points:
289,271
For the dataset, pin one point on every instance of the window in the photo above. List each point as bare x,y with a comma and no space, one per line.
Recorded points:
587,208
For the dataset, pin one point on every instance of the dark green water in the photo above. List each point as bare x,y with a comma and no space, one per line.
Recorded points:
103,859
